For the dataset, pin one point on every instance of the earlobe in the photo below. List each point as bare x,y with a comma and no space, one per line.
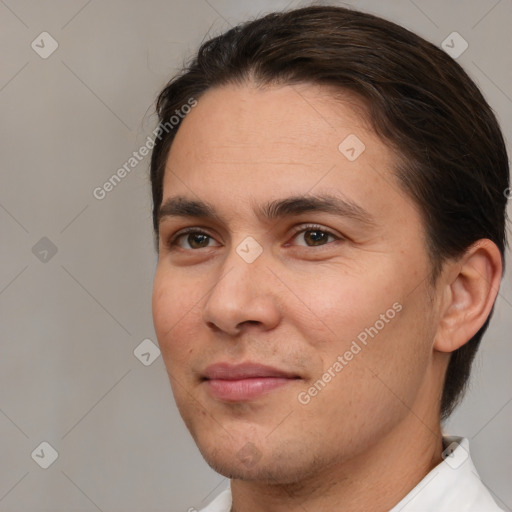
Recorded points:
471,286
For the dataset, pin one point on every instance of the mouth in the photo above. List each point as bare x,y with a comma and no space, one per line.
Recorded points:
243,382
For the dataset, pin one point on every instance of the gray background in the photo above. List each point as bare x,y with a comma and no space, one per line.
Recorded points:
70,321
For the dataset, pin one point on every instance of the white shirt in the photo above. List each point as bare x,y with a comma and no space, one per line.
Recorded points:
452,486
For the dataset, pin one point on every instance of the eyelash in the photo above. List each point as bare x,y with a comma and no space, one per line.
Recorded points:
171,244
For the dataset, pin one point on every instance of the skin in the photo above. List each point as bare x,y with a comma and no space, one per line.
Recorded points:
370,435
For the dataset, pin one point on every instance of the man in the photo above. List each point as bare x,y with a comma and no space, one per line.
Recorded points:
329,210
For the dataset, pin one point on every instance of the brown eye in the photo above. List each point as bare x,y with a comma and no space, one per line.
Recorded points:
198,240
191,239
313,236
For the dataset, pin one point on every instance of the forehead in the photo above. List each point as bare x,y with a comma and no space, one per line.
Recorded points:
292,121
245,144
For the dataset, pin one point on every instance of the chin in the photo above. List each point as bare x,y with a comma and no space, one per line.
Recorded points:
232,468
272,465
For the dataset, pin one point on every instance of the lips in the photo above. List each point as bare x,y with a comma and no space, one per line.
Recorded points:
228,371
246,381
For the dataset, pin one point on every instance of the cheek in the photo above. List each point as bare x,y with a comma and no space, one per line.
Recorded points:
378,382
374,322
163,305
173,311
391,367
344,304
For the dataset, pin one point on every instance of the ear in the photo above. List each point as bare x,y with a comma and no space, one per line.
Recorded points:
470,286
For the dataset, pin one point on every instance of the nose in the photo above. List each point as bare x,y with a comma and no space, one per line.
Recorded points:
243,296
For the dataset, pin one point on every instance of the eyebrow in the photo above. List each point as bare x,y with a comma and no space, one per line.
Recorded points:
181,206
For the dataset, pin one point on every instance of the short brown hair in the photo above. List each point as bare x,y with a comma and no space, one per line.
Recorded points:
451,155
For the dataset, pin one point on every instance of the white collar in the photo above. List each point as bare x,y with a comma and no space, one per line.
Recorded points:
453,485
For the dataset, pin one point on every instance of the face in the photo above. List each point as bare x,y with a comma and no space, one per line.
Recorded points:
292,313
